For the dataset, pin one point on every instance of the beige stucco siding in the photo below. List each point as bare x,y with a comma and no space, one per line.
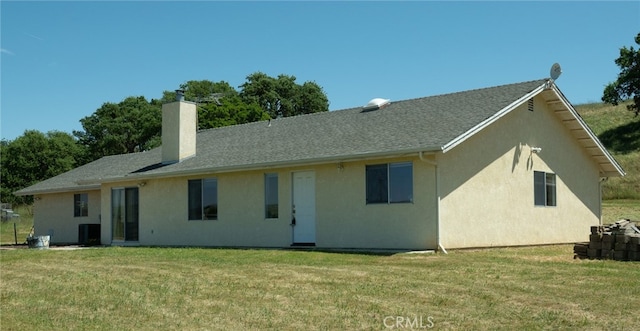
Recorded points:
487,189
178,131
343,220
163,213
53,215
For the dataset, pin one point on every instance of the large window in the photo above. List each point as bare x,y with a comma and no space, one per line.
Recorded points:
544,188
203,199
125,212
271,195
390,183
80,205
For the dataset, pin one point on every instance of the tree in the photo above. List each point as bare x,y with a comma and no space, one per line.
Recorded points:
311,99
627,85
219,104
133,125
34,157
228,110
200,91
282,96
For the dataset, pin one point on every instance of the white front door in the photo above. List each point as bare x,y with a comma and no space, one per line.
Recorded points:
304,207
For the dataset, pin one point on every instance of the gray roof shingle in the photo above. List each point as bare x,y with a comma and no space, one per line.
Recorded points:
422,124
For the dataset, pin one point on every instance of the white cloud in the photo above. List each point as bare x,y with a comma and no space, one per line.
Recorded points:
32,36
6,51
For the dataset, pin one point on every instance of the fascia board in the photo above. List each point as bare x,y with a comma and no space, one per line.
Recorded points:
466,135
590,133
79,188
260,166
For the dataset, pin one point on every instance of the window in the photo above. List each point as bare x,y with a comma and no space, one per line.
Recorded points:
389,183
544,187
271,195
80,205
203,199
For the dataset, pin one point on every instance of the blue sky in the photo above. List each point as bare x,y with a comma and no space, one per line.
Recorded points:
60,61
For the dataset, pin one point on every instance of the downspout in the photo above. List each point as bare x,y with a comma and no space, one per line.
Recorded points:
600,198
437,175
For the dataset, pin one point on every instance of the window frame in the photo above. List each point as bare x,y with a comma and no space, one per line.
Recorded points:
201,189
80,210
545,192
387,186
271,196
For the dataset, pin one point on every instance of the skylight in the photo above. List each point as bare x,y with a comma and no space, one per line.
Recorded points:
376,103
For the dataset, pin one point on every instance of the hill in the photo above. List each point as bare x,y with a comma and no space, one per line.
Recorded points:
619,131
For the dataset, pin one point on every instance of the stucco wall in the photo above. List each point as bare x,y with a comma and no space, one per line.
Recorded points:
487,190
178,130
343,220
53,216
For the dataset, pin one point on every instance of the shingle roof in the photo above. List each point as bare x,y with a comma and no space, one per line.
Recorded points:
108,166
423,124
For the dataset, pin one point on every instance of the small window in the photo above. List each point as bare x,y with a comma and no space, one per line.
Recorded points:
389,183
271,195
550,186
544,187
80,205
203,199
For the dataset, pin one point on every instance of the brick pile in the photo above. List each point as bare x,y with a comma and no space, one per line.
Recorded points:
617,241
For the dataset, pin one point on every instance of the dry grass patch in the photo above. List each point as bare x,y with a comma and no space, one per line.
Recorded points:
615,210
23,226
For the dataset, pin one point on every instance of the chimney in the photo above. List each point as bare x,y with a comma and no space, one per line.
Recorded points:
179,120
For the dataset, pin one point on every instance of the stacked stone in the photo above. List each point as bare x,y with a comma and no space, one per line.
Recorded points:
618,241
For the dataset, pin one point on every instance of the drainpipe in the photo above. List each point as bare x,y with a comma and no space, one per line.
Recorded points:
437,175
600,198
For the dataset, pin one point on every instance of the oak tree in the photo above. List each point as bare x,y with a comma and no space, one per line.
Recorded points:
627,86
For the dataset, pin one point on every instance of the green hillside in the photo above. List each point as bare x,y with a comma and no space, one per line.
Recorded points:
619,131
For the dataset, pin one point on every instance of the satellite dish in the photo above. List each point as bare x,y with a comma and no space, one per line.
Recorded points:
556,71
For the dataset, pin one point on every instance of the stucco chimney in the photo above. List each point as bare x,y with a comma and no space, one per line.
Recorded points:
179,120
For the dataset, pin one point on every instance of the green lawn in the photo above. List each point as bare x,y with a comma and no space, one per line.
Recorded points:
223,289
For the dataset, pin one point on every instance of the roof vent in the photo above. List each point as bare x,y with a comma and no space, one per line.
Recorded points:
375,104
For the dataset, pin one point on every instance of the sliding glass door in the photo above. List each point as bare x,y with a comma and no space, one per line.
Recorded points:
124,214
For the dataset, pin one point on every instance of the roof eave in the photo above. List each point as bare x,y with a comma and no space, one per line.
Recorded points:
549,85
619,171
77,188
480,126
266,165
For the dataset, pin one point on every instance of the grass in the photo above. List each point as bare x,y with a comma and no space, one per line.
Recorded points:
603,117
222,289
23,226
615,210
619,131
627,187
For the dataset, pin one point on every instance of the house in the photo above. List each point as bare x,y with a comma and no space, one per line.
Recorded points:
496,166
